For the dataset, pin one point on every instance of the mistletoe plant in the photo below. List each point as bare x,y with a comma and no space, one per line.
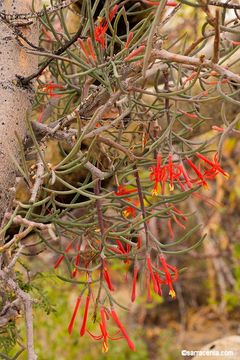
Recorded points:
112,157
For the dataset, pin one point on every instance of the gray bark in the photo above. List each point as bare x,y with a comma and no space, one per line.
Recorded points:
15,100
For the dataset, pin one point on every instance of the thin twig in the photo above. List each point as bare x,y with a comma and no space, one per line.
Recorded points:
216,46
155,24
27,304
38,180
57,52
141,200
182,59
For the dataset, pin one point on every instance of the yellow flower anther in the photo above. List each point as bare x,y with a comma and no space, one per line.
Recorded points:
205,185
154,192
104,347
172,293
171,187
99,20
126,213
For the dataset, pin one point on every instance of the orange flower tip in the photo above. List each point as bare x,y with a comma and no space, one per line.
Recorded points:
205,185
171,187
126,213
172,294
99,19
74,273
131,345
227,175
105,347
154,192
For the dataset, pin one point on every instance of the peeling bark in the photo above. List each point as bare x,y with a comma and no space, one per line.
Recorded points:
15,101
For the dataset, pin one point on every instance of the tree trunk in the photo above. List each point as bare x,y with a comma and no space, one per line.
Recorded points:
15,100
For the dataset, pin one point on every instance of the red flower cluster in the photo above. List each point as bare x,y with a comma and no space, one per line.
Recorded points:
79,258
175,172
154,277
129,210
76,260
104,315
102,27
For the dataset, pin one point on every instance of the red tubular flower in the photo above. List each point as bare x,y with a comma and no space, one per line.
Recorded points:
122,190
135,53
198,172
83,328
77,262
129,39
180,213
102,27
170,167
159,283
158,175
135,274
178,222
217,128
48,89
224,81
149,265
234,42
189,78
174,172
120,246
104,333
70,326
123,331
215,166
123,251
60,259
191,116
185,176
168,278
91,49
107,278
100,31
130,210
82,45
103,328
